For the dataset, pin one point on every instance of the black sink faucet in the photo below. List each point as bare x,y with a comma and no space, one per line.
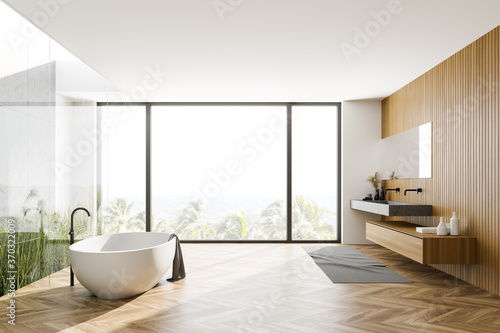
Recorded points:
418,190
72,240
392,189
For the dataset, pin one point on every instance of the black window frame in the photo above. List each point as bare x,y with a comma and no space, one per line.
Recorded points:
289,106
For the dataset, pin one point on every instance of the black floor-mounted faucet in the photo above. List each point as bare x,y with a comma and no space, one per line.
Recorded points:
72,240
418,190
391,189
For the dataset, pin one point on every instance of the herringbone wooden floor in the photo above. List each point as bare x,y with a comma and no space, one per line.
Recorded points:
263,288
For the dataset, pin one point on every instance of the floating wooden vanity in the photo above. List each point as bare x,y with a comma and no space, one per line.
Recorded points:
402,237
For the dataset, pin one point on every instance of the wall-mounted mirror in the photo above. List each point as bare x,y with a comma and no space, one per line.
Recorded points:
408,154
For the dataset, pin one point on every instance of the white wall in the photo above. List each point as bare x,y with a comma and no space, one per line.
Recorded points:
361,135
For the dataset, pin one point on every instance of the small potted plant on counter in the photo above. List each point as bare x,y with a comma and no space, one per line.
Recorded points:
375,181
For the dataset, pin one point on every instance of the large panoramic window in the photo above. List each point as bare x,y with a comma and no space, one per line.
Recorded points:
315,172
122,173
219,172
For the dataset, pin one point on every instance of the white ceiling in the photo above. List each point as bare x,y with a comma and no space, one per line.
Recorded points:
262,50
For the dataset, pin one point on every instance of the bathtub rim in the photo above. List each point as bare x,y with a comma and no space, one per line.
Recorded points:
122,251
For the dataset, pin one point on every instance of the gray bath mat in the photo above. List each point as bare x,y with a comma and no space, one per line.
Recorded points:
345,264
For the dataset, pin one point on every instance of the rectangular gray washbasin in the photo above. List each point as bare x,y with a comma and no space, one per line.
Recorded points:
392,208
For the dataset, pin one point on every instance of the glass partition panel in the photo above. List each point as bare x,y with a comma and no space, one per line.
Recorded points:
27,98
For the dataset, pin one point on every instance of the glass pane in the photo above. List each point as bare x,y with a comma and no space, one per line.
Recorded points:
219,172
27,141
314,172
122,176
47,157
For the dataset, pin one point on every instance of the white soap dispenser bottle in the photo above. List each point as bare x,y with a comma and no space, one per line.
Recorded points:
442,230
454,225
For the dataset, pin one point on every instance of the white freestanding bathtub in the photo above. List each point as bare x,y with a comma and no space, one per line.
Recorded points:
122,265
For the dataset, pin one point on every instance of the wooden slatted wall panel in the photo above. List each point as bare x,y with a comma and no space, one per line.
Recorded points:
461,96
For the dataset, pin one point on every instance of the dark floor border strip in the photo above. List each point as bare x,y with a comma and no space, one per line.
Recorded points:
217,103
257,241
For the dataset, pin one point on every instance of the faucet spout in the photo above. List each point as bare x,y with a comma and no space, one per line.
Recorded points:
72,240
391,189
418,190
